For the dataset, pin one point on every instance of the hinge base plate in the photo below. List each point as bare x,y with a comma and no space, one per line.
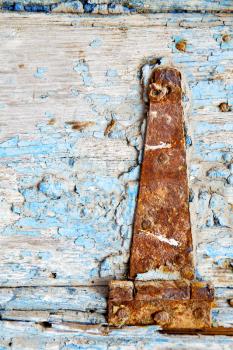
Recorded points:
169,304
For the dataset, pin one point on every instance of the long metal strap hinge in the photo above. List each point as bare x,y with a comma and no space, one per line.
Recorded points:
162,240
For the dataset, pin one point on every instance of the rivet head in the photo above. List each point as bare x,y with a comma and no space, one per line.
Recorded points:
157,92
146,224
181,45
226,37
122,313
198,313
224,107
162,318
163,158
179,259
187,272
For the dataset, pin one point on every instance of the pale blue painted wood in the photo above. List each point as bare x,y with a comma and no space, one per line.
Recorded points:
69,196
117,6
78,189
70,337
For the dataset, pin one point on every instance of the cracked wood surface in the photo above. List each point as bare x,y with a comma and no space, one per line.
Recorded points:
68,193
27,335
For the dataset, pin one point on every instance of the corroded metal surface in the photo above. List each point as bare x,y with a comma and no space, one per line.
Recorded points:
169,304
162,237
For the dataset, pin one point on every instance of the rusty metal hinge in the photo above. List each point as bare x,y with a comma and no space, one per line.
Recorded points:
162,240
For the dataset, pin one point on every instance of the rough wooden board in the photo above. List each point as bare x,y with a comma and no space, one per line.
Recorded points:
47,169
50,172
81,304
115,7
54,298
27,335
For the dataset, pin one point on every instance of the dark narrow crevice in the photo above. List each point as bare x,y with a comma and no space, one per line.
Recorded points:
45,324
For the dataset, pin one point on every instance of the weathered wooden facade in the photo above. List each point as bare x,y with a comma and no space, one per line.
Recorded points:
72,120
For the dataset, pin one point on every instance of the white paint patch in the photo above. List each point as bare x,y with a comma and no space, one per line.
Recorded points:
170,241
153,114
160,146
158,274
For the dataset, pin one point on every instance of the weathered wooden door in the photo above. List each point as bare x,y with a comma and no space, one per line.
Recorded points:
72,119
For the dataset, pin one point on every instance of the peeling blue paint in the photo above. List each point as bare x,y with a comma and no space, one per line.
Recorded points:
96,43
40,72
208,90
2,106
218,252
218,173
82,68
51,188
83,347
92,214
121,7
112,73
230,180
205,127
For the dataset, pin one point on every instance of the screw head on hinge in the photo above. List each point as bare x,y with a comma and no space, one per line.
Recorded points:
157,92
162,318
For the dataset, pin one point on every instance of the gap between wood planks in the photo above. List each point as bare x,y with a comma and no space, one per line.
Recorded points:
208,331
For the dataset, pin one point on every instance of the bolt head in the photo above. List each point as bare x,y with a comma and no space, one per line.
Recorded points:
157,92
163,158
181,45
226,38
162,318
122,313
224,107
198,313
146,224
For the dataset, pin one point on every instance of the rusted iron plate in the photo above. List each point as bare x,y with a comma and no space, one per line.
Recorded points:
167,290
162,233
121,290
168,304
202,291
162,240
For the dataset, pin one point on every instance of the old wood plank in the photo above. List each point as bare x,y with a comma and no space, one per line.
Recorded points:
105,7
54,316
82,304
50,298
68,195
28,335
43,152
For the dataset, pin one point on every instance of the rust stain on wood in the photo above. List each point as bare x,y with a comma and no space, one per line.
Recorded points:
109,127
79,126
162,232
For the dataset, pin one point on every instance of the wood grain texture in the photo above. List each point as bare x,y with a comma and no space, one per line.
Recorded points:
19,335
81,304
68,195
